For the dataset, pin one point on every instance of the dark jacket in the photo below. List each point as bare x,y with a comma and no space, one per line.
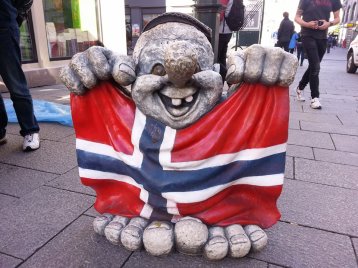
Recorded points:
8,14
285,31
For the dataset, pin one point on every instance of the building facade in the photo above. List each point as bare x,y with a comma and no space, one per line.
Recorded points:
349,23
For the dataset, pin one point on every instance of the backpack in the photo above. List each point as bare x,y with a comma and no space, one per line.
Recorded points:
236,16
23,7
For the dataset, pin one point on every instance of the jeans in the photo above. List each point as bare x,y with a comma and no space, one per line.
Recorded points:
300,54
15,81
315,50
224,40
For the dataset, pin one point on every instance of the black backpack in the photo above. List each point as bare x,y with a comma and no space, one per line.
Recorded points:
236,16
23,7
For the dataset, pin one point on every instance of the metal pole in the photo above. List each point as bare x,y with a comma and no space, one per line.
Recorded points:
262,20
208,12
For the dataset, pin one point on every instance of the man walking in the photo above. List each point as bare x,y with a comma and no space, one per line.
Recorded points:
14,79
285,32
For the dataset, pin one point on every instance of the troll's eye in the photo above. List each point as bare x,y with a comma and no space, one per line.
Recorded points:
158,69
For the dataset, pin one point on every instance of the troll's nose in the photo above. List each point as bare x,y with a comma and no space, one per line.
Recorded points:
180,62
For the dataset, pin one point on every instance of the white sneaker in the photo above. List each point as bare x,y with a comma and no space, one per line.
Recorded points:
31,142
300,95
315,104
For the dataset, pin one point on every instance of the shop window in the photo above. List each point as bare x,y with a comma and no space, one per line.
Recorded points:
71,26
27,41
148,17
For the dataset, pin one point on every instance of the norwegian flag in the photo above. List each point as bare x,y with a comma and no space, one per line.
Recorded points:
226,168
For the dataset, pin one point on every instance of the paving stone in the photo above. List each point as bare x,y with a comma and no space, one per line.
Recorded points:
355,244
345,158
71,181
69,139
54,157
310,139
326,173
289,167
5,200
349,119
142,259
48,131
316,117
329,108
343,97
274,266
329,128
92,212
19,181
38,217
319,206
78,246
295,106
346,143
294,124
8,262
295,246
300,151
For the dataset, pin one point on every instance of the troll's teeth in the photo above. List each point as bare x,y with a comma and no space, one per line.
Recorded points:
176,102
189,99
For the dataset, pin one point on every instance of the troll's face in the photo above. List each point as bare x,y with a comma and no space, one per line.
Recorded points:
175,82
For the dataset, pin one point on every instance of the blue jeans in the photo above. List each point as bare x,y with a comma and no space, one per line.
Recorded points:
15,81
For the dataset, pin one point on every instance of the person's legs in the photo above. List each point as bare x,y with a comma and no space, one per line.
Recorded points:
302,55
224,40
313,50
15,81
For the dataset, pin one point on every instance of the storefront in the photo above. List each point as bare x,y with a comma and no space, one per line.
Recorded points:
58,29
138,14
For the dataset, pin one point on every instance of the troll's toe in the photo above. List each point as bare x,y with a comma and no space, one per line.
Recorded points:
158,238
132,234
257,237
190,236
114,228
217,246
100,223
239,243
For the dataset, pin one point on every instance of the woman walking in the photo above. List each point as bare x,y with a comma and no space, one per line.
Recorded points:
313,16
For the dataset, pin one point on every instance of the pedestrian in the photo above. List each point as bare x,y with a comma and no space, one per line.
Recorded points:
293,42
313,16
285,31
14,79
225,33
299,49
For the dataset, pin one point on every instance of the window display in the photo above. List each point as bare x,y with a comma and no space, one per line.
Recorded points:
27,43
71,26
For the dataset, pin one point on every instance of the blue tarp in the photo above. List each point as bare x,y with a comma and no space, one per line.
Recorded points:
45,111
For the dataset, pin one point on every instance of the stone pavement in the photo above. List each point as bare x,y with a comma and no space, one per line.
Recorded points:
46,214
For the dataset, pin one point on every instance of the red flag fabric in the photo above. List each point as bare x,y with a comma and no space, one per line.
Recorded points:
226,168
